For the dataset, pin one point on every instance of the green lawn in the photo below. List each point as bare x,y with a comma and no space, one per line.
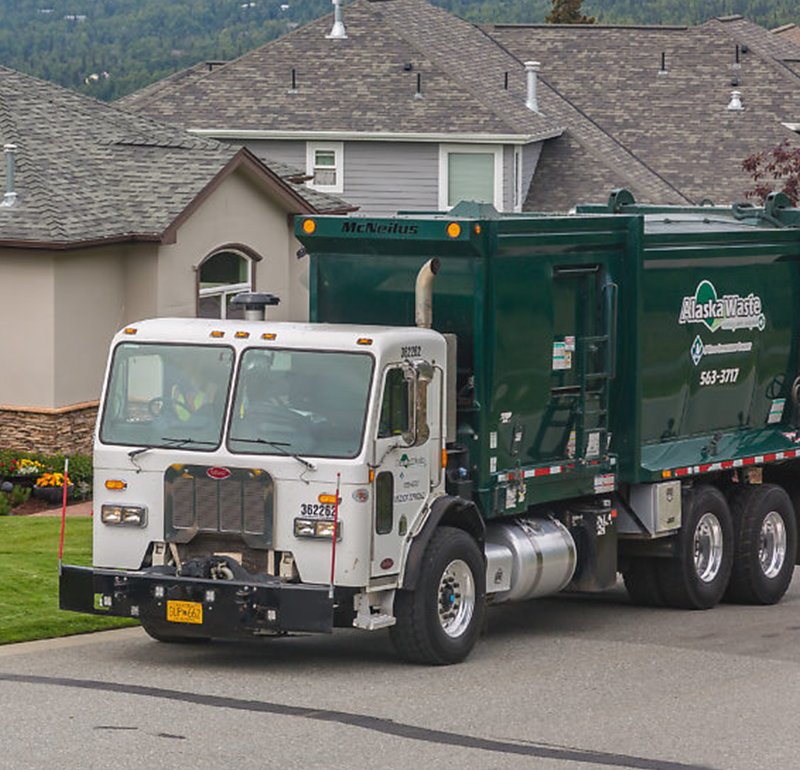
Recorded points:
29,578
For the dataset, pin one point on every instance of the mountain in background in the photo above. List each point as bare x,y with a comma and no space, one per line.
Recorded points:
108,48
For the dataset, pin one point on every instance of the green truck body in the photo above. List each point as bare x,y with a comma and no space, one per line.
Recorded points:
611,348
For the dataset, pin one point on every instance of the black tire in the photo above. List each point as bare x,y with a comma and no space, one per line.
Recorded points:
426,631
765,547
696,577
641,582
168,636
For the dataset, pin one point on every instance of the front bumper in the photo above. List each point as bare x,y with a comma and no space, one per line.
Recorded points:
230,609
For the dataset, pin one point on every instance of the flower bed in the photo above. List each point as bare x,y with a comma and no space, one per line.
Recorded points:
24,472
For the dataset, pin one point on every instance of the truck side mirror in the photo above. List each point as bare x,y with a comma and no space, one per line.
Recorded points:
419,375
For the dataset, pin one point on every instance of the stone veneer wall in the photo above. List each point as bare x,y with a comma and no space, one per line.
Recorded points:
52,431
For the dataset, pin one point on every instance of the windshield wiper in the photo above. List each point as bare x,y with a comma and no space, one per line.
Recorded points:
279,445
173,443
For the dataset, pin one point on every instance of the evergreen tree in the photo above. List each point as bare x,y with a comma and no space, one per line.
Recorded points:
568,12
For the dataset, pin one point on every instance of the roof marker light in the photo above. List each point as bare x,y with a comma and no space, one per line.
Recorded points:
242,335
454,229
216,334
364,341
269,336
130,330
477,229
309,226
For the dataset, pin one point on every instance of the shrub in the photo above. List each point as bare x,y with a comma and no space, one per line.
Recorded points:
5,504
19,495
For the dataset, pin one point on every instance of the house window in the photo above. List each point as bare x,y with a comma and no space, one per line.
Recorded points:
470,173
325,163
222,276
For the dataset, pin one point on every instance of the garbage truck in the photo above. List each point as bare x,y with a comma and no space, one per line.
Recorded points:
483,408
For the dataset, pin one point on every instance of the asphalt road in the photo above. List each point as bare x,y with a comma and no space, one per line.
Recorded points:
574,682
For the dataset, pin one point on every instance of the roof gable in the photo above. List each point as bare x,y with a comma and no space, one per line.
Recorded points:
89,172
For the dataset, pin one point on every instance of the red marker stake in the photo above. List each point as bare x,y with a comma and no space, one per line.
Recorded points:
335,534
63,514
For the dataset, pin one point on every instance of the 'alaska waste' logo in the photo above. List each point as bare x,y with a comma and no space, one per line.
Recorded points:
730,312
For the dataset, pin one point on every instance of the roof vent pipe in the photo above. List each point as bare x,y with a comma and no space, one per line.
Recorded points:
532,69
423,293
10,197
338,31
735,104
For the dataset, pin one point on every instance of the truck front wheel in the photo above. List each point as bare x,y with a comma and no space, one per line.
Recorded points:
766,542
439,622
696,577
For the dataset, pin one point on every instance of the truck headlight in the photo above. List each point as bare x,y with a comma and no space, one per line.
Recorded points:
124,515
322,528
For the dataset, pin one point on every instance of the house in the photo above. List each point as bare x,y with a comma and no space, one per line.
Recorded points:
666,94
416,108
107,218
413,109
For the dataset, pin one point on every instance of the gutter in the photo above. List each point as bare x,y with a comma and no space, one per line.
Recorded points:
375,136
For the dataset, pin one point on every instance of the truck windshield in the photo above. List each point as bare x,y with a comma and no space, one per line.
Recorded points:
300,402
167,396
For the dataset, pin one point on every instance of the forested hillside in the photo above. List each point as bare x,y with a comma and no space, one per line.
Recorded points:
110,47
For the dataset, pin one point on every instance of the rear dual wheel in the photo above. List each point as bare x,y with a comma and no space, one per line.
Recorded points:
696,576
766,544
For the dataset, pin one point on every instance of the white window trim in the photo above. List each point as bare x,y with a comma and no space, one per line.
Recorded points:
517,160
228,288
495,149
338,150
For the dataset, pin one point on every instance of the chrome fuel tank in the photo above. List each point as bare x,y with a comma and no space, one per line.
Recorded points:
543,556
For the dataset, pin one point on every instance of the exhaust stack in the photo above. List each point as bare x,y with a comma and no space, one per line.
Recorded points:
424,293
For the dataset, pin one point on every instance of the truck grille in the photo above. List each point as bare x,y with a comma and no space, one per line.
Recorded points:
241,503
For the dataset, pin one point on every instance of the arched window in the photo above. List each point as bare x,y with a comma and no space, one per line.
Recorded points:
222,276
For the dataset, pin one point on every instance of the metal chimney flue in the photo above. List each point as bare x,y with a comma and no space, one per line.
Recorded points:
338,32
10,197
532,71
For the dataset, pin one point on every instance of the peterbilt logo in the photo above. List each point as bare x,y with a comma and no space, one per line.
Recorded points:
218,473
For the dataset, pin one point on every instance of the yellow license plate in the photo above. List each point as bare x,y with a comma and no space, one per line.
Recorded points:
184,612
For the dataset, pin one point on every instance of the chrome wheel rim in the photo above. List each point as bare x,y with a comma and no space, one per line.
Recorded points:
456,598
772,544
707,547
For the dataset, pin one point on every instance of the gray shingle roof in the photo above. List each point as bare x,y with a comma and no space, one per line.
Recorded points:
360,84
87,171
677,124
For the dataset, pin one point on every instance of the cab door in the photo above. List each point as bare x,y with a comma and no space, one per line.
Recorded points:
402,469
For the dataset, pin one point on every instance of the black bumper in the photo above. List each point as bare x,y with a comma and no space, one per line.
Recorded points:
230,609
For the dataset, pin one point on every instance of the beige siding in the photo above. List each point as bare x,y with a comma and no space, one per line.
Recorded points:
27,312
237,212
89,309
